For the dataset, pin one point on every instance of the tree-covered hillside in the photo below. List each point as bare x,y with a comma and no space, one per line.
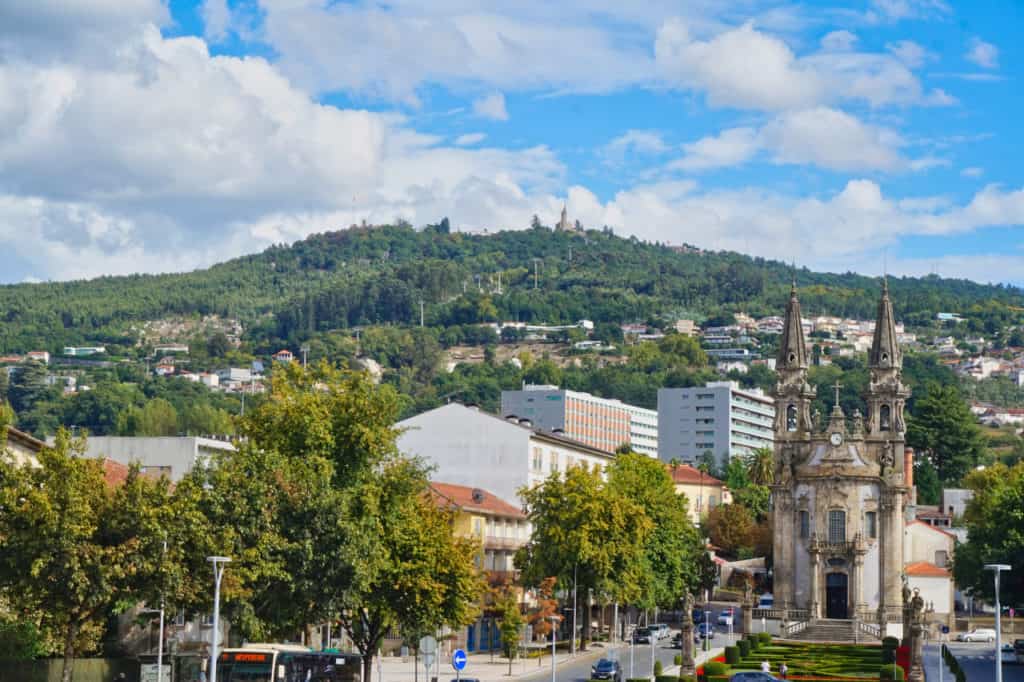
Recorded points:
379,275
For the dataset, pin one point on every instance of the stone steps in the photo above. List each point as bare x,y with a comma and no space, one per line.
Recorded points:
831,630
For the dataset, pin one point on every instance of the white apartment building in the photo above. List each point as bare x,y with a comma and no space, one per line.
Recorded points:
466,446
599,422
720,418
171,456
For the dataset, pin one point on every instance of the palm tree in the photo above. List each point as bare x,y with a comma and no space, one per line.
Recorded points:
761,466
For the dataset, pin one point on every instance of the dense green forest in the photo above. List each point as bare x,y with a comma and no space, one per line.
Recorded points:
379,275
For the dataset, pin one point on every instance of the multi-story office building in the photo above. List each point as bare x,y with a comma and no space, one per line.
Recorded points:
598,422
719,418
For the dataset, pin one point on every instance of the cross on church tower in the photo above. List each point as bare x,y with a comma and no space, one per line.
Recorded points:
836,387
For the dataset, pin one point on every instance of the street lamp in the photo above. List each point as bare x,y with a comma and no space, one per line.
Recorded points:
554,638
218,573
997,569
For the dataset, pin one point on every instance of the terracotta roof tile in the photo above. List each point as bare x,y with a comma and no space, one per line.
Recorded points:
684,473
463,497
923,569
114,473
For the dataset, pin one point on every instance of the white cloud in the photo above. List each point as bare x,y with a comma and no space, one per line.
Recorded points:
731,147
470,139
985,55
832,139
896,10
972,172
910,53
491,106
641,141
839,41
216,19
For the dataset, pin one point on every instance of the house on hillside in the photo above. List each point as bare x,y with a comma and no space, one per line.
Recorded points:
284,356
703,491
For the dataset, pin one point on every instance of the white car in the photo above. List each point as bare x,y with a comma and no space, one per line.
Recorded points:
977,635
725,618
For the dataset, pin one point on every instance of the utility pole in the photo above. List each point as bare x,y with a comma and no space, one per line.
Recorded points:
305,352
574,610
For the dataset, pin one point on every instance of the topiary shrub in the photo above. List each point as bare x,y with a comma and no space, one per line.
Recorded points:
890,672
744,647
890,642
715,668
764,638
687,678
658,669
677,659
665,678
888,656
638,679
755,644
732,655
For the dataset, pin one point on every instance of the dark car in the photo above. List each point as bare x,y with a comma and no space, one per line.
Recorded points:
706,631
677,640
753,677
1018,646
606,669
642,636
698,616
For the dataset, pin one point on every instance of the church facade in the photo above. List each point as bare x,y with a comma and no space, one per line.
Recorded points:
840,487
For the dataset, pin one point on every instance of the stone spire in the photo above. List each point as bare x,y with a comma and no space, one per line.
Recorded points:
885,351
792,349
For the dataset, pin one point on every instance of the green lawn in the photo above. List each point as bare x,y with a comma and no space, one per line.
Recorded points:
841,661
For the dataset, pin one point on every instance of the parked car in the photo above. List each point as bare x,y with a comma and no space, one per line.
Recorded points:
725,618
1018,648
606,669
977,635
698,616
677,641
706,631
660,630
753,677
1007,654
642,636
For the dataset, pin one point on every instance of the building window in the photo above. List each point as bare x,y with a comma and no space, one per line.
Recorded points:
871,521
791,418
538,459
836,526
805,524
711,501
941,558
554,461
884,418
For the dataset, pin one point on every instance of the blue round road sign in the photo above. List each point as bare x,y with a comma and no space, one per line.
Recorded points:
945,629
459,659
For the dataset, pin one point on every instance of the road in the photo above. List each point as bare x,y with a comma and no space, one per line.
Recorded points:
641,659
979,662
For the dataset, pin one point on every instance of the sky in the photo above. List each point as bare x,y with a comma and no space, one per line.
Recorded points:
154,136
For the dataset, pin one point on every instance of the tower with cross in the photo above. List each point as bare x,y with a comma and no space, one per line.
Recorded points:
838,501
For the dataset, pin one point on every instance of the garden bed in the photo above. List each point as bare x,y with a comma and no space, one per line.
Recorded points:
805,660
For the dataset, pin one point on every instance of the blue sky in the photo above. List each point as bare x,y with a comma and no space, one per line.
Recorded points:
141,135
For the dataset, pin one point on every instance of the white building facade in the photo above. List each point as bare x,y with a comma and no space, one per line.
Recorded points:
602,423
720,418
469,447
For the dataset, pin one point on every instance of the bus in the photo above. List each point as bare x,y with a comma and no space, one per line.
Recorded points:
286,663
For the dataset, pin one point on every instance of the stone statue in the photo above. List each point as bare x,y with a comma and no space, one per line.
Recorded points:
748,593
917,633
887,459
687,667
816,419
907,615
858,423
748,605
786,470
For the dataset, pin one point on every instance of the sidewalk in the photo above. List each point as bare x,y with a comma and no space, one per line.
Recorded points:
932,664
479,667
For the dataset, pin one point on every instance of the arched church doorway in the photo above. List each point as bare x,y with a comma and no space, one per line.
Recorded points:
836,591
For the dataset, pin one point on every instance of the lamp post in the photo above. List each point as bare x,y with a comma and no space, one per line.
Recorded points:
219,563
997,569
554,638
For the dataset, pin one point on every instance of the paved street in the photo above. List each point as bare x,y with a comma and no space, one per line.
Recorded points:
976,659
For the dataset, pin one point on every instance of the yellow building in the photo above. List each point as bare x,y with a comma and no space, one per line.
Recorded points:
703,491
502,528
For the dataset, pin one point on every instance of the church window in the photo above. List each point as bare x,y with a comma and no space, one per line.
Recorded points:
805,524
884,418
791,418
792,358
871,521
836,526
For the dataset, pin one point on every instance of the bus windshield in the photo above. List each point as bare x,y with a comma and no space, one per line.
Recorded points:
245,667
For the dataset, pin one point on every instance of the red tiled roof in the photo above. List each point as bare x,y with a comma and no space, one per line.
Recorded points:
462,496
931,527
26,441
684,473
114,473
923,569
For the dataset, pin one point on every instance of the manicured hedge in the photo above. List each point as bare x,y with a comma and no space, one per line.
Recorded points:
687,678
888,656
658,668
755,644
732,655
890,642
890,672
715,668
665,678
764,637
677,659
744,646
638,679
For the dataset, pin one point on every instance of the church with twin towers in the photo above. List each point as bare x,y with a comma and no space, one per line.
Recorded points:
842,484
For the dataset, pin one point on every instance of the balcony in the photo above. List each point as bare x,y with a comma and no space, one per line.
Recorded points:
502,543
496,578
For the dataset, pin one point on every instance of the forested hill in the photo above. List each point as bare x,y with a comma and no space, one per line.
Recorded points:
378,275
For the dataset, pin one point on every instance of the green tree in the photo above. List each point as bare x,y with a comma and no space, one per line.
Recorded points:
66,555
157,418
585,530
943,429
761,466
674,552
510,618
995,532
736,476
926,480
28,386
218,345
731,527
